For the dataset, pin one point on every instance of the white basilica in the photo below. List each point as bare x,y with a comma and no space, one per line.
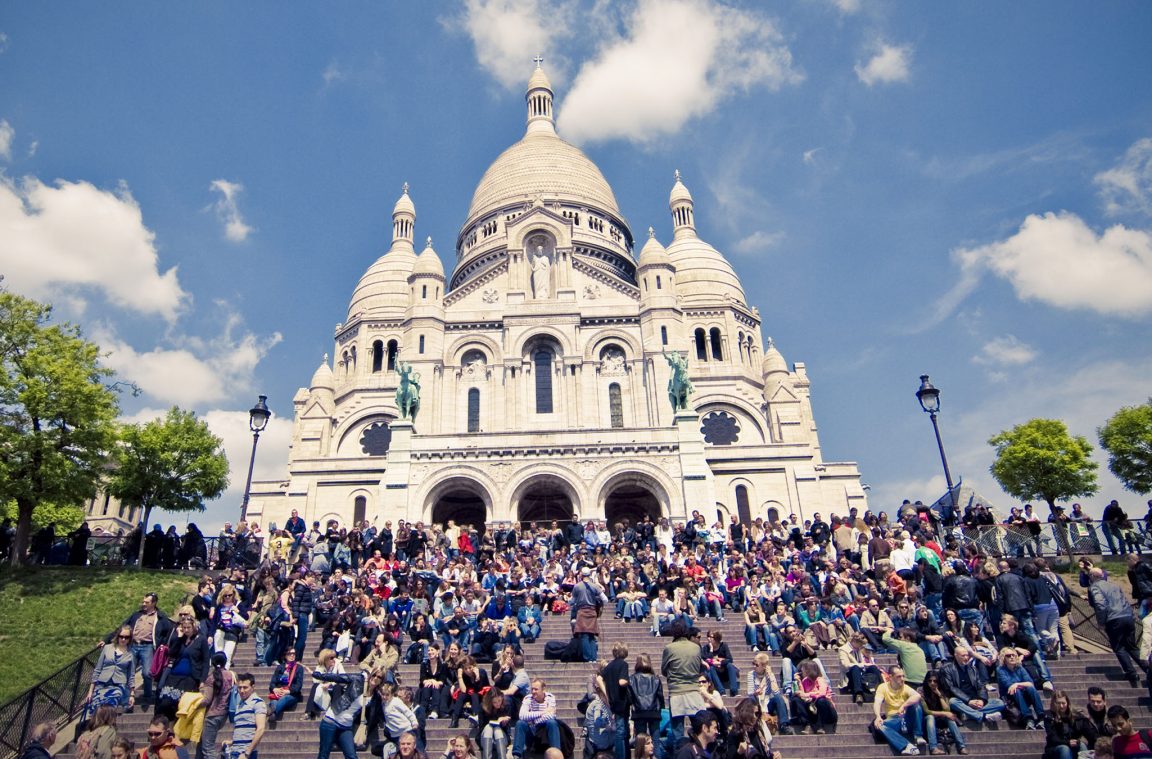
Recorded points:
544,385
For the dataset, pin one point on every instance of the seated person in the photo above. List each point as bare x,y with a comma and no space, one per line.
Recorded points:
861,674
965,681
1016,683
898,714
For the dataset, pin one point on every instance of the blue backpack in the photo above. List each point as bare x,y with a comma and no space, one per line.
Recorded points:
233,703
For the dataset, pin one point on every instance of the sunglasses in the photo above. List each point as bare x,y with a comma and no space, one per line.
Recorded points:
154,735
124,637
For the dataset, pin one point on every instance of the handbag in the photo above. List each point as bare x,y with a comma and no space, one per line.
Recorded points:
159,661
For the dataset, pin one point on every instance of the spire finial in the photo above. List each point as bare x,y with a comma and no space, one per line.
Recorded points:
405,188
539,61
325,359
651,233
771,343
428,242
677,175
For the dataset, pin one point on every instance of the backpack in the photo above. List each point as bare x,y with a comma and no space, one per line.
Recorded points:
233,703
1060,596
554,649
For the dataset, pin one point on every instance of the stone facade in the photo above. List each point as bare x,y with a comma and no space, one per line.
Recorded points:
544,385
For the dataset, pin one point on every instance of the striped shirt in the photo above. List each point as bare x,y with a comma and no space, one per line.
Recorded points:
244,723
533,712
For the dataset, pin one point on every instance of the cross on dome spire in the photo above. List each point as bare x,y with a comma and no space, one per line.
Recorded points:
539,99
538,60
405,188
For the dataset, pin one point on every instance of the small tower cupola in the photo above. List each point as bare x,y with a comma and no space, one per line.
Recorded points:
403,219
539,97
680,203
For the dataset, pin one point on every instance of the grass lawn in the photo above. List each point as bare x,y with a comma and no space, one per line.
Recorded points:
51,615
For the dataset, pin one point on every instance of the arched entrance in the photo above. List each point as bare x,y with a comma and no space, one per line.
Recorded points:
545,499
630,500
461,499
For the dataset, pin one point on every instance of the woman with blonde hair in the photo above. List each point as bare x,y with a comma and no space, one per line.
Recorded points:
96,742
230,623
114,675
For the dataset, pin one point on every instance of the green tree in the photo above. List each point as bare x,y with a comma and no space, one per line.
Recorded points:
174,464
64,519
56,413
1041,460
1127,437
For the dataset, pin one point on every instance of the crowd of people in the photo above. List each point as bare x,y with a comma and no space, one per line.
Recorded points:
972,635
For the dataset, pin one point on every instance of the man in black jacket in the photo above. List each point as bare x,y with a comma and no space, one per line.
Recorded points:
960,595
1012,596
965,681
615,679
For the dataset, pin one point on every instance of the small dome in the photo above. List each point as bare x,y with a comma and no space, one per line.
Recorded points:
702,272
428,262
653,253
383,289
404,204
539,80
323,379
679,192
773,362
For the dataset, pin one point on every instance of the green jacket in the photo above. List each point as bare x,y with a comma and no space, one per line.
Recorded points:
912,659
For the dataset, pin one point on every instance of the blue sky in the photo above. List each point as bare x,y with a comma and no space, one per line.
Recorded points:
962,189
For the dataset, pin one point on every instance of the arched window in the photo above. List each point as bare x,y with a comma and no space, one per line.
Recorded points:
743,510
473,410
659,284
421,348
352,358
701,345
424,292
740,345
663,335
542,360
717,352
359,510
377,356
393,349
615,405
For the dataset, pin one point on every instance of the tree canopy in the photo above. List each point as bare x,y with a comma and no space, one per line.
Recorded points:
1041,460
174,464
56,413
1127,437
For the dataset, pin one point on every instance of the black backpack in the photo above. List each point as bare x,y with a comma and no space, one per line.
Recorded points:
1060,596
554,650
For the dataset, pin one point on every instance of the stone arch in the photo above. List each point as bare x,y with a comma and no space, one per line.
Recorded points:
541,225
462,498
544,334
545,496
751,426
348,433
631,494
483,343
361,500
596,343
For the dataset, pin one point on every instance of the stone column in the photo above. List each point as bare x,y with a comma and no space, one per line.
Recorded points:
698,483
394,485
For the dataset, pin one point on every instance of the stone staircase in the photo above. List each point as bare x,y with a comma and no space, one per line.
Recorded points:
295,738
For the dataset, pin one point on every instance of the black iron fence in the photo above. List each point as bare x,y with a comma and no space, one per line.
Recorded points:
207,553
58,699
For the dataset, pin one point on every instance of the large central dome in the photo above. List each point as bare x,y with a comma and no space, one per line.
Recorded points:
545,165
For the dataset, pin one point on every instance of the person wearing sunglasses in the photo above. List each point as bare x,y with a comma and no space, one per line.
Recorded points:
114,675
162,743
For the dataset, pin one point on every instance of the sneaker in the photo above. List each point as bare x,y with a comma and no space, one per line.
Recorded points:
910,750
1047,686
962,751
994,717
755,649
921,745
433,715
938,751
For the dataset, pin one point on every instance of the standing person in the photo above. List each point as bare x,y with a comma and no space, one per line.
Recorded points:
599,723
302,602
249,722
216,689
1063,598
150,627
1115,615
96,741
1111,522
114,675
348,701
614,678
188,663
647,693
680,664
587,601
897,713
41,739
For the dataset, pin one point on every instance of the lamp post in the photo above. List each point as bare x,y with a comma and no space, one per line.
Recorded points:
929,397
258,417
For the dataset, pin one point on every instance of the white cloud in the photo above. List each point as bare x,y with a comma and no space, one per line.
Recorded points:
1007,350
810,156
1061,261
33,147
333,73
1127,188
888,65
231,426
196,373
677,60
847,7
235,229
3,42
56,240
7,134
508,33
758,242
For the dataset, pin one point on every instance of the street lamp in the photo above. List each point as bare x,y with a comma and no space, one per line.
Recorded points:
929,397
258,417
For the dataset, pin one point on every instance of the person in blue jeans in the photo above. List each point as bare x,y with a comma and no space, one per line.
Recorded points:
337,726
538,710
898,714
938,716
284,690
721,671
1016,683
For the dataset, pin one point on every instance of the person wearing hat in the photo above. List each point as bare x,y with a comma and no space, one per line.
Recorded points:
587,601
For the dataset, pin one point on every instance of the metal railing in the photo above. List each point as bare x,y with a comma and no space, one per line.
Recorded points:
212,553
58,699
1051,540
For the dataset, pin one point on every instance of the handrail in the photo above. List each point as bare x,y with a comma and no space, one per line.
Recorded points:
58,699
